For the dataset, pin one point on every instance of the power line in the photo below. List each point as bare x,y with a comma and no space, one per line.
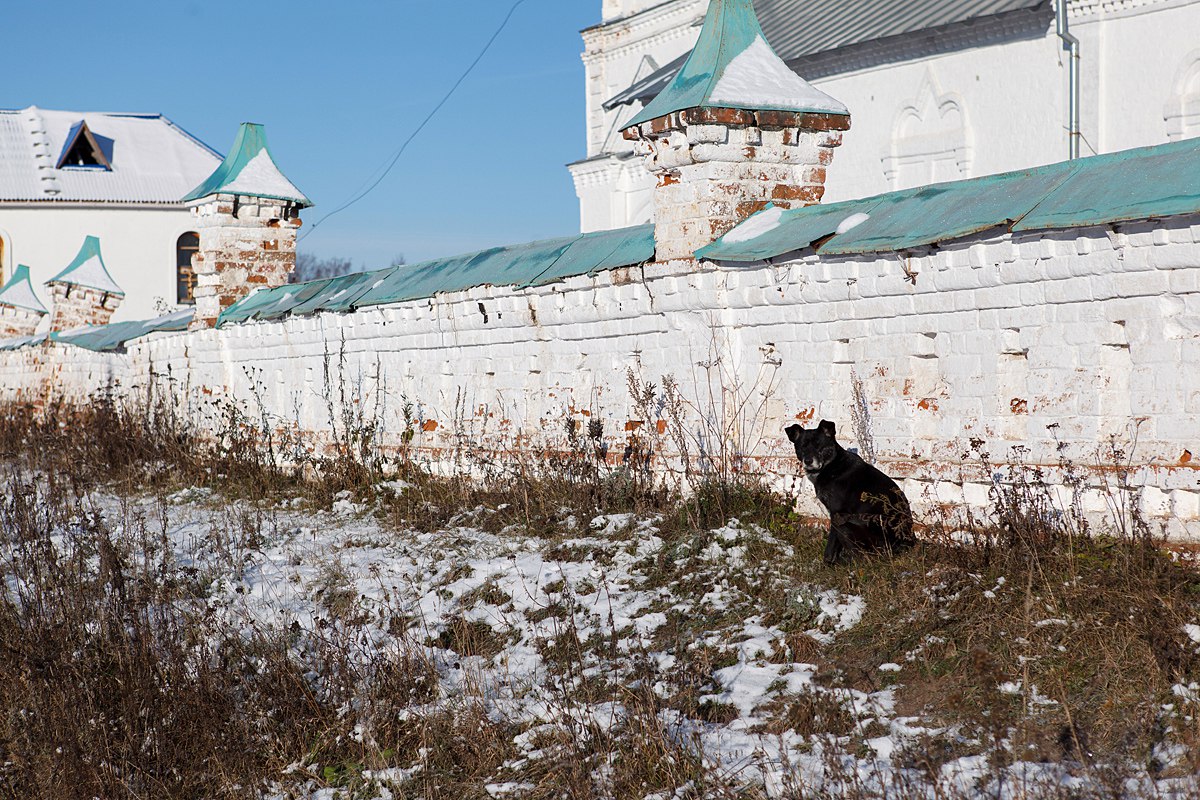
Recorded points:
428,117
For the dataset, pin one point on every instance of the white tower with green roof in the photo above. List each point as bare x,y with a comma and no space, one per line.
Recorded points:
247,214
84,293
735,130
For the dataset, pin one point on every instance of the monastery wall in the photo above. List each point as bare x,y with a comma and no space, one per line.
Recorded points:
1028,348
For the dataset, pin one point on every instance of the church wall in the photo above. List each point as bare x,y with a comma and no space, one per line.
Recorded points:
1005,346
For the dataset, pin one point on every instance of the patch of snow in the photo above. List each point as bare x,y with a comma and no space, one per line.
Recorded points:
851,222
758,78
261,178
1193,633
759,224
889,667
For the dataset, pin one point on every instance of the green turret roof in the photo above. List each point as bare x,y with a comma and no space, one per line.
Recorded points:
249,169
19,292
733,66
88,270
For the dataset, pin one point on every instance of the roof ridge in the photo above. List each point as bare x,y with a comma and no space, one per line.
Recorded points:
43,157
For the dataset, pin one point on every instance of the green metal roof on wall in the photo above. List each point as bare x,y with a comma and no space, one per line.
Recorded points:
18,292
250,170
733,66
600,251
22,341
111,337
1139,184
1144,183
88,269
523,265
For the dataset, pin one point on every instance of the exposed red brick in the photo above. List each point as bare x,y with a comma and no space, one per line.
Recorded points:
719,116
748,207
778,119
824,122
805,194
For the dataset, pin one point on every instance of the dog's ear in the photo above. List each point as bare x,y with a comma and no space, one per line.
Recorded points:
793,432
828,428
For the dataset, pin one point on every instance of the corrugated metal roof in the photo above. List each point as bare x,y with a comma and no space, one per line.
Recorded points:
249,169
153,160
531,264
1145,183
733,66
804,27
799,28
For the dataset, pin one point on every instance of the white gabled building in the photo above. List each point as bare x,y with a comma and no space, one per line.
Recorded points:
938,89
68,175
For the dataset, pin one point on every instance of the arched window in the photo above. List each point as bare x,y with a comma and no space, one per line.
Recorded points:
930,139
185,278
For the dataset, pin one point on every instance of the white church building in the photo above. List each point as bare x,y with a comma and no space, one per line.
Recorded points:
66,176
938,89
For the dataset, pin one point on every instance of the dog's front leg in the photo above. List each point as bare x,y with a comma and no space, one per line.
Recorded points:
834,544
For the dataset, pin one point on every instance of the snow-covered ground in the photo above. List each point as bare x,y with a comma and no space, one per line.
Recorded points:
602,601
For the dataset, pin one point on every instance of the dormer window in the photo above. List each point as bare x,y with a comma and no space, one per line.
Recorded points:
85,150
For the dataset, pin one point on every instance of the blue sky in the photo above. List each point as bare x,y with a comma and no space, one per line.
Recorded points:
339,85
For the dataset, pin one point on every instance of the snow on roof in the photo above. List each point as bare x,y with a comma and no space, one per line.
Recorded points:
757,78
153,159
87,269
733,66
19,292
261,177
249,169
757,225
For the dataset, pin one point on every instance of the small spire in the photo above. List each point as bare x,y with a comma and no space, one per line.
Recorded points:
87,269
250,170
733,66
18,292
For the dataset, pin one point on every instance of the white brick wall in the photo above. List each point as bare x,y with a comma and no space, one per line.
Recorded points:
1012,341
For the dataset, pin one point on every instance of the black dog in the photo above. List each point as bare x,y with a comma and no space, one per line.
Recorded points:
867,510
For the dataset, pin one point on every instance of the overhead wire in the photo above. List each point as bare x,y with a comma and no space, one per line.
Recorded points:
428,118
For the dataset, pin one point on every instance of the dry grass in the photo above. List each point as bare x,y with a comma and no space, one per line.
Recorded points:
1040,638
